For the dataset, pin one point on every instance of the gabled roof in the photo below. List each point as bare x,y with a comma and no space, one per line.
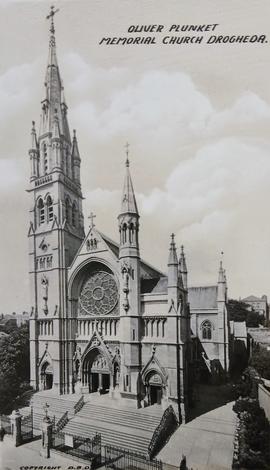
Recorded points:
252,298
147,270
202,297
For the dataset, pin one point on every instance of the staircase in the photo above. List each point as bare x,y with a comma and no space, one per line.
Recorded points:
129,429
118,421
58,405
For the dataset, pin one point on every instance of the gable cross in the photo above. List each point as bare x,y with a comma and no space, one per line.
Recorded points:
92,216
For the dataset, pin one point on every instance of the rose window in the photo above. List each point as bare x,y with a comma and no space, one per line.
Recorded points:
99,294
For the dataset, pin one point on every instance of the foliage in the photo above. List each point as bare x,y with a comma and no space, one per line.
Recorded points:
260,360
247,385
240,311
14,367
254,435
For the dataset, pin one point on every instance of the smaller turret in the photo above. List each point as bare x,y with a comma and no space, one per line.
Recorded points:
183,267
173,284
34,154
128,219
221,284
76,159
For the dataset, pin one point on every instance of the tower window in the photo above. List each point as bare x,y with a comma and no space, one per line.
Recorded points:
41,212
206,329
49,208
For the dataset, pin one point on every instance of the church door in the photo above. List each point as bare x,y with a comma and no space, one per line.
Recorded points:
154,388
46,376
155,394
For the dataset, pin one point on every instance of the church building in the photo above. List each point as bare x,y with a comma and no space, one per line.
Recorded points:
102,319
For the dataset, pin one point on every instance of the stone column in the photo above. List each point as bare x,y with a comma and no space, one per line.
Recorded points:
46,429
16,422
100,382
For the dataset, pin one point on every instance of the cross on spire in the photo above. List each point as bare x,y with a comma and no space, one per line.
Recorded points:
51,15
127,153
92,217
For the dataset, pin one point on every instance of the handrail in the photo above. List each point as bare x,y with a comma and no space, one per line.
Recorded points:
163,431
78,406
62,422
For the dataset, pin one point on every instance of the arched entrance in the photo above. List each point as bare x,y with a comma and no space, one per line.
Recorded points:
96,374
154,387
46,376
116,376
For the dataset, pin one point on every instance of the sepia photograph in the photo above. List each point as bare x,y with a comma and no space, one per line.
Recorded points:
135,235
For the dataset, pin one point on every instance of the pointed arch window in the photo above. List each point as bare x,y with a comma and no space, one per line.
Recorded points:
206,328
41,212
49,208
124,233
74,215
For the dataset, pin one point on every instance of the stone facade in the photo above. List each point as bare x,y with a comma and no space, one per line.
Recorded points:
101,318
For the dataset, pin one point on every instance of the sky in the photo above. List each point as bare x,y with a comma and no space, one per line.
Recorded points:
196,117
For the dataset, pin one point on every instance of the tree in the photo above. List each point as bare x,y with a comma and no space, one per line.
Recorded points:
260,360
14,367
240,311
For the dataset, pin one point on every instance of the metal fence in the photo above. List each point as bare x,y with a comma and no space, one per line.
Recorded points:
77,446
122,459
27,427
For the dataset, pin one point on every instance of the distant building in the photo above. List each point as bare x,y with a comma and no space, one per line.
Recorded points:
258,304
258,338
15,319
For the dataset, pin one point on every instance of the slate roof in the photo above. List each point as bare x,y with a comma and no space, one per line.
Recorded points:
251,298
154,286
202,297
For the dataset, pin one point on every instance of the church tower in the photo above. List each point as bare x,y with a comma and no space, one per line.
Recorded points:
56,230
129,260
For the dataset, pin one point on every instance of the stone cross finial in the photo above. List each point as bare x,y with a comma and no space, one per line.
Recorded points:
51,15
127,153
92,217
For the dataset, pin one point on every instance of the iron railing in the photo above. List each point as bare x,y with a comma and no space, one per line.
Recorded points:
123,459
78,446
78,406
167,426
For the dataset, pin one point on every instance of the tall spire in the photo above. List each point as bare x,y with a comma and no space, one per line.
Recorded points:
128,204
54,100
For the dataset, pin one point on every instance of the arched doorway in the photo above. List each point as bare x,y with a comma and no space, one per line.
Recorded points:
116,376
46,376
154,387
96,373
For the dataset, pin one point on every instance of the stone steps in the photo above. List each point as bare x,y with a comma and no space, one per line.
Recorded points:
126,428
110,434
117,416
58,405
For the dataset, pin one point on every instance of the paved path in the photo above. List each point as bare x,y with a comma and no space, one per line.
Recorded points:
207,441
28,455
